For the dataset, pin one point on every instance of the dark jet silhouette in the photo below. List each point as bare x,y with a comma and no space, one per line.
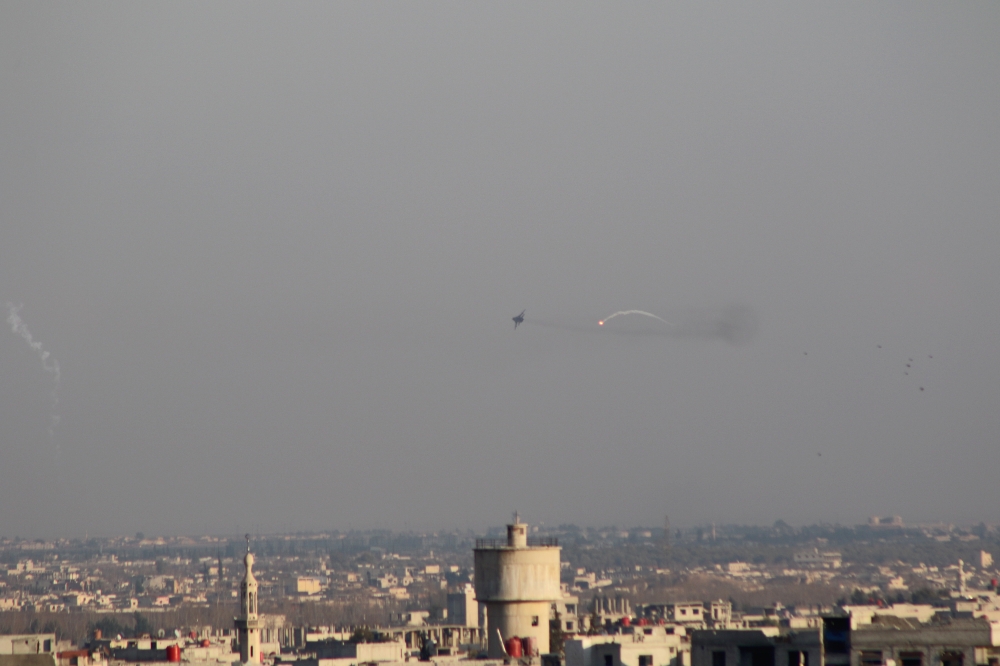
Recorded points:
519,319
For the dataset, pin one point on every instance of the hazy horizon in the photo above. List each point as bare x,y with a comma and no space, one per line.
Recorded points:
274,252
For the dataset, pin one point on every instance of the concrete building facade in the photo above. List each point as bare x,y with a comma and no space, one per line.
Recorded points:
463,609
767,646
634,646
518,582
906,642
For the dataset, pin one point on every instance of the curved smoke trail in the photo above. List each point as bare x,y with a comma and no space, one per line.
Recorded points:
628,312
18,326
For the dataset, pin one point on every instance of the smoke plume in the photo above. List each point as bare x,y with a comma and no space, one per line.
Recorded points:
50,364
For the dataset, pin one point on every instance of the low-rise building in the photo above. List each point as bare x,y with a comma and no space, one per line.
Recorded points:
765,646
634,646
897,641
817,558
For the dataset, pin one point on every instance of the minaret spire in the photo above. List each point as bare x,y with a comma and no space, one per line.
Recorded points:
248,624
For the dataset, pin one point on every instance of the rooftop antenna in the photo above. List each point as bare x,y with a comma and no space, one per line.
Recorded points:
517,518
247,535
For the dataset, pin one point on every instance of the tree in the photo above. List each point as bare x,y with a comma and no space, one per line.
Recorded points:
142,624
362,635
595,621
557,639
109,627
924,595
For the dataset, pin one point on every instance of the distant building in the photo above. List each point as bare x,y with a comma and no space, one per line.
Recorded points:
340,653
766,646
904,642
566,609
463,608
686,612
893,522
304,586
816,558
27,643
634,646
607,611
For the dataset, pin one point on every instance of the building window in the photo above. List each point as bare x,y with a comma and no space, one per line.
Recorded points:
911,658
872,658
534,623
569,626
796,658
645,660
952,658
718,658
609,660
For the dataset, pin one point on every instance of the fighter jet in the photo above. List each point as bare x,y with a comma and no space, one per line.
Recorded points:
519,319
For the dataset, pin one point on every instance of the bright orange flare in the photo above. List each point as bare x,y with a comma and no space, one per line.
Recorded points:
600,323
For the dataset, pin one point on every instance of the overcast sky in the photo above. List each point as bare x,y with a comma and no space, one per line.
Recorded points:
275,250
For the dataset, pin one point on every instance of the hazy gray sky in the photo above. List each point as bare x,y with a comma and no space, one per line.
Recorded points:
275,250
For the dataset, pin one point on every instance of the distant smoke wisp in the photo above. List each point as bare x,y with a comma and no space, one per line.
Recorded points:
51,365
736,325
631,312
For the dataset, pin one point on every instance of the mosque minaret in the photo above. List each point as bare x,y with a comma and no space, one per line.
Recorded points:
248,624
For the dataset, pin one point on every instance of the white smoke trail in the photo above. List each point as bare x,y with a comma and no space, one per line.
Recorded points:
628,312
19,328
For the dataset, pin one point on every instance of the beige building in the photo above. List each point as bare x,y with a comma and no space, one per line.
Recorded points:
27,643
517,581
819,559
895,641
635,646
304,586
463,609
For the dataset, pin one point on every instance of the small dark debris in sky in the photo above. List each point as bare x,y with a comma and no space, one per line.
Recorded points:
921,388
